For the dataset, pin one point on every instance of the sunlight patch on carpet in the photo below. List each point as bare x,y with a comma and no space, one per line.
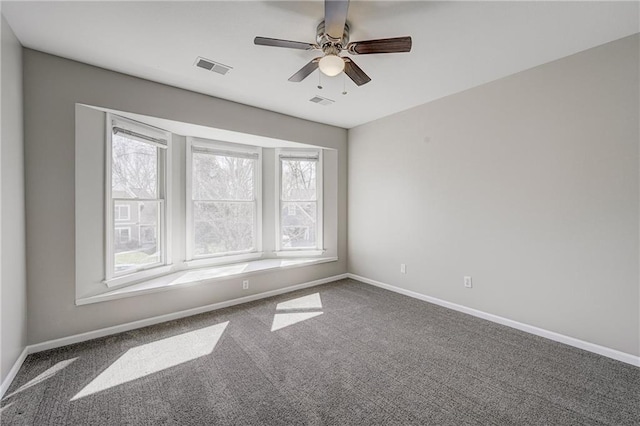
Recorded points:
311,301
285,320
50,372
156,356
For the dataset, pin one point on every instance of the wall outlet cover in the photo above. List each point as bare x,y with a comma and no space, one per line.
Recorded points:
468,283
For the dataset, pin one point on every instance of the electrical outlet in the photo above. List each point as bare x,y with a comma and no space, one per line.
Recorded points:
245,285
403,268
467,282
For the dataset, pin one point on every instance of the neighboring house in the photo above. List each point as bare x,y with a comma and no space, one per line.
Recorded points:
299,219
135,221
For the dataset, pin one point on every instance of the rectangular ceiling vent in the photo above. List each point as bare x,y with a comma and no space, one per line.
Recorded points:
210,65
320,100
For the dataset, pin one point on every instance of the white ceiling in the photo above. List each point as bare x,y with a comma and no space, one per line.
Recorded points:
456,46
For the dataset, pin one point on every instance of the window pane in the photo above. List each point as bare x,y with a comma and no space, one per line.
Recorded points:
298,180
134,170
298,230
218,177
136,242
222,227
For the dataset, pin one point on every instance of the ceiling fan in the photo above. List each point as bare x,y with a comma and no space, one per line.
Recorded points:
332,38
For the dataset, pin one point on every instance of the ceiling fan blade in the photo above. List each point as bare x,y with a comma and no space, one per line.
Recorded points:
384,45
264,41
335,16
355,73
305,71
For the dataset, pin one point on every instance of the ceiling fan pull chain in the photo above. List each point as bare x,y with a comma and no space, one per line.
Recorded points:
319,80
344,84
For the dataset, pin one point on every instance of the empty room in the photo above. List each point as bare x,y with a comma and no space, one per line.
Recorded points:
320,212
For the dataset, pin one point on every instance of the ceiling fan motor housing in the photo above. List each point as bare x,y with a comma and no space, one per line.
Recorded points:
328,44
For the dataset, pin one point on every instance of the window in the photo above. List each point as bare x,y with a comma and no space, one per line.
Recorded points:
136,193
299,214
224,207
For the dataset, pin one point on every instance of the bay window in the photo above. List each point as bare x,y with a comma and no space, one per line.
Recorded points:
174,203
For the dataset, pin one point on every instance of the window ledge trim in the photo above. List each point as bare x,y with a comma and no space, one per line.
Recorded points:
135,290
299,253
137,276
222,260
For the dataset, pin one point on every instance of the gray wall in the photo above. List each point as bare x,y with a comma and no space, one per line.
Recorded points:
530,184
52,88
13,281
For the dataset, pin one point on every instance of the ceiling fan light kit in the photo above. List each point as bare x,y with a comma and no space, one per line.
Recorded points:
332,38
331,65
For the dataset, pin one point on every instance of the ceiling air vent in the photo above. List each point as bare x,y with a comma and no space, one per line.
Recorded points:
320,100
212,66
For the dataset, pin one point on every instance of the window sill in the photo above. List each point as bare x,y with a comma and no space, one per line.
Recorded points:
137,276
202,276
211,261
299,253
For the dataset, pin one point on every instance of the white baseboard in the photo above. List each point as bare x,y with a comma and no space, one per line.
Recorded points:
77,338
571,341
13,372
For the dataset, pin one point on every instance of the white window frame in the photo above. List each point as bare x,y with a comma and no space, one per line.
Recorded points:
222,258
300,154
113,279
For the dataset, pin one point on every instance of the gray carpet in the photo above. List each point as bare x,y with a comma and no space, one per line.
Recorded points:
366,356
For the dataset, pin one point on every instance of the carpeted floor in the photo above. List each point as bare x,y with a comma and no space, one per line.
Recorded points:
341,353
